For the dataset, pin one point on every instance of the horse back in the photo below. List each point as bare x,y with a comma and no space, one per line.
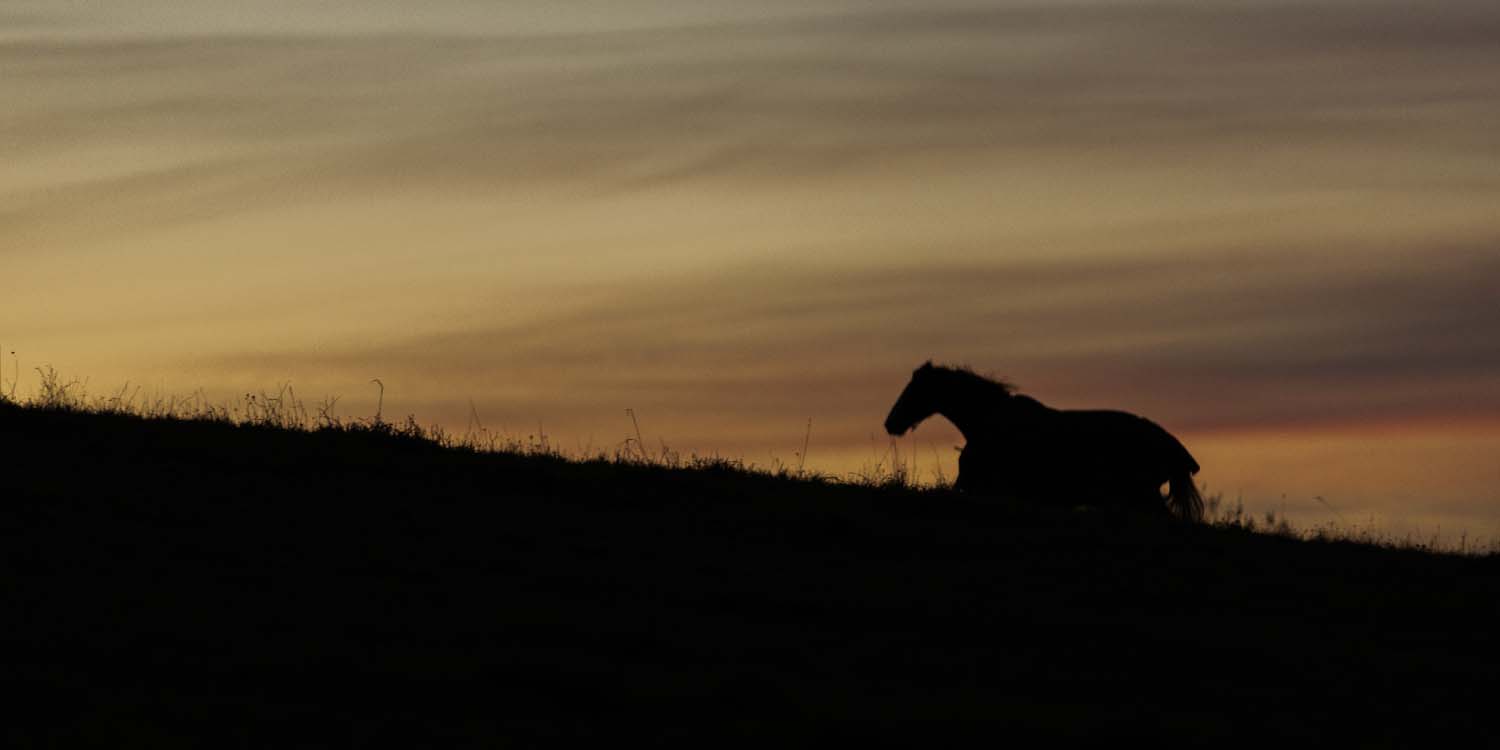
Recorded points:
1129,438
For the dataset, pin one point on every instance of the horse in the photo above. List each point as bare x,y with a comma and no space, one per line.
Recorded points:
1015,447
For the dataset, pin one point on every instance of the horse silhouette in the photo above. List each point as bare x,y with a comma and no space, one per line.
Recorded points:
1018,448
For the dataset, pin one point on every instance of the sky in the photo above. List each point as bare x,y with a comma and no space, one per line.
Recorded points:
1269,226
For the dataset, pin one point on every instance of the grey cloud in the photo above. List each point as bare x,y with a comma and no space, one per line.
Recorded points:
1261,97
767,99
89,209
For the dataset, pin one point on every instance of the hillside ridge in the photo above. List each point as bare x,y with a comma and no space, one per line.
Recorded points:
174,578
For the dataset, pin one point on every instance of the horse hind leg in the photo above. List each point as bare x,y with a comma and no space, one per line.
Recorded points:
1154,501
1146,499
1183,499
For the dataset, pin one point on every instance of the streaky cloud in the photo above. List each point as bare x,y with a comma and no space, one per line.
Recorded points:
1259,346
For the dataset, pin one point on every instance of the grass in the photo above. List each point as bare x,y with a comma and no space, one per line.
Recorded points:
185,574
282,409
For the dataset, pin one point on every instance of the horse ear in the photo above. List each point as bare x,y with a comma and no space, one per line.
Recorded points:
926,365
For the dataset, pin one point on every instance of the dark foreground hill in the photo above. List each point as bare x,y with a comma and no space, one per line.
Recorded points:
195,584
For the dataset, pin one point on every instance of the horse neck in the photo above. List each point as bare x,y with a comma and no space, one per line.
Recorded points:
976,412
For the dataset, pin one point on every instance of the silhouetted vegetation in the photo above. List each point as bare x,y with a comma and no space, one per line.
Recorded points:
266,574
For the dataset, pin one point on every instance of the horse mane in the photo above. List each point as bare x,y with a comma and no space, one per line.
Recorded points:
965,375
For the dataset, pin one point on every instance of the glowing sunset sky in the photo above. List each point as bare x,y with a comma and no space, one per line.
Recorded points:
1272,227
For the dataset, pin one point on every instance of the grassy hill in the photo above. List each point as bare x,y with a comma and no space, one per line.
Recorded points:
197,583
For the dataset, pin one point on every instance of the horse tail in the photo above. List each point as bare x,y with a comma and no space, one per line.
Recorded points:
1183,499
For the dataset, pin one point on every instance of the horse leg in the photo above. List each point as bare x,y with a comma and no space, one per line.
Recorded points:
976,475
1148,499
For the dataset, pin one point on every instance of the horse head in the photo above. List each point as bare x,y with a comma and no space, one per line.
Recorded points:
917,401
